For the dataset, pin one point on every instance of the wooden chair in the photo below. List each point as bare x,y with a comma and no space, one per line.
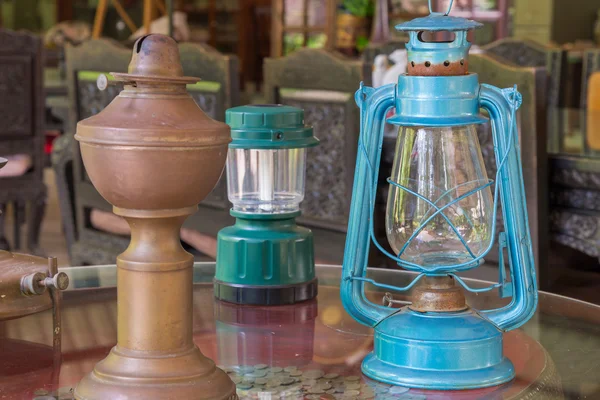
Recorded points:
531,83
528,53
575,183
217,91
323,84
22,130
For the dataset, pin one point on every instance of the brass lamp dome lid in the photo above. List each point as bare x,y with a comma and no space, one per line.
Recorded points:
154,109
155,59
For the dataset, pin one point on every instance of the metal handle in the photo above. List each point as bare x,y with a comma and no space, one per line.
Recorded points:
447,11
501,105
373,104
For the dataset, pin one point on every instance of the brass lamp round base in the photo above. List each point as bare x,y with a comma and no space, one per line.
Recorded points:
130,375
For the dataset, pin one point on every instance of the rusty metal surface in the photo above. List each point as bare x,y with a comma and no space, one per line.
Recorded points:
438,294
445,69
154,155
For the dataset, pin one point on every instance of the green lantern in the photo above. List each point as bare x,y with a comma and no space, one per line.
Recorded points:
265,258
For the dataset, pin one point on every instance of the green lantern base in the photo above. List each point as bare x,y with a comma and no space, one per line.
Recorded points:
265,260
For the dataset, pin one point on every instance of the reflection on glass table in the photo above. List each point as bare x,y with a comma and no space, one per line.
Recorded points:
309,349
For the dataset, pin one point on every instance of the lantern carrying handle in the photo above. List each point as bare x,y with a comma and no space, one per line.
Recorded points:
447,11
501,105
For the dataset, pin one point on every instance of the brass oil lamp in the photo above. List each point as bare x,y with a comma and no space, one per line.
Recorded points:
154,155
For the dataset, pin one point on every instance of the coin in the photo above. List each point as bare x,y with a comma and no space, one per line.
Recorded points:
330,391
276,370
315,390
244,385
260,366
352,378
353,386
290,368
331,376
313,374
236,379
325,385
261,373
245,369
261,381
351,393
287,381
398,390
296,373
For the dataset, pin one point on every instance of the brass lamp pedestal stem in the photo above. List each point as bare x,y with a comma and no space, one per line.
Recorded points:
155,356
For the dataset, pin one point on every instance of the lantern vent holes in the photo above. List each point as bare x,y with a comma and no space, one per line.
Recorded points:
462,62
446,63
427,64
436,37
412,63
279,135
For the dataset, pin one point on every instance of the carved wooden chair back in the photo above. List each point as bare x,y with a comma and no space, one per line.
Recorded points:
531,83
22,129
591,64
323,84
218,90
575,180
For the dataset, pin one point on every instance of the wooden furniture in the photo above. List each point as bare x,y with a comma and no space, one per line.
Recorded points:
531,83
323,84
255,38
217,91
218,20
575,173
296,22
557,21
528,53
150,11
22,130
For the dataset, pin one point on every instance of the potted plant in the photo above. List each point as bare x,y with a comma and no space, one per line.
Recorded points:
353,22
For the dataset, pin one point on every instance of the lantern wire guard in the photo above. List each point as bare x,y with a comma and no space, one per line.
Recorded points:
437,341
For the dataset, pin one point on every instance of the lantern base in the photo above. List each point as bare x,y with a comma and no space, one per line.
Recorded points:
268,296
438,351
265,260
131,375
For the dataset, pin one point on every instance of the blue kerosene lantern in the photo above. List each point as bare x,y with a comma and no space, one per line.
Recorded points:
440,218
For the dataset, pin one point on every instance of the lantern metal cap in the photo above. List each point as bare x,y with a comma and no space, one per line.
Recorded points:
269,126
436,22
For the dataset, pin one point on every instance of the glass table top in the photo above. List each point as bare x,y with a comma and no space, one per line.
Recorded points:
556,354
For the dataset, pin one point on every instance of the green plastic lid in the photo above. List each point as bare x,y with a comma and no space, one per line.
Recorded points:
269,126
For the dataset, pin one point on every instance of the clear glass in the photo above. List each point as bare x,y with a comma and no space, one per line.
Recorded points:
441,165
266,181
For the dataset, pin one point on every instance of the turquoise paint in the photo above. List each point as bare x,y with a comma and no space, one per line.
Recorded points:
453,350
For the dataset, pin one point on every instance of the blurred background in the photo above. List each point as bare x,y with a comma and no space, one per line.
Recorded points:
311,54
